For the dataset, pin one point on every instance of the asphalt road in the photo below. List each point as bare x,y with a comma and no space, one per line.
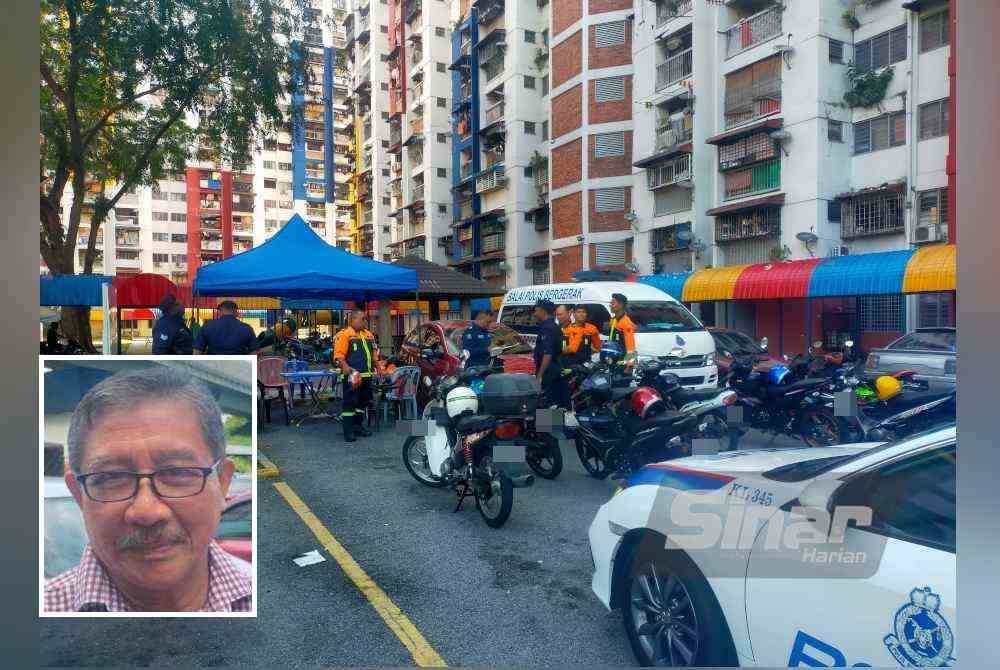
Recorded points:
515,596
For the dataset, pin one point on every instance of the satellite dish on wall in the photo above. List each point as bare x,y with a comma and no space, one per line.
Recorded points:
807,237
684,235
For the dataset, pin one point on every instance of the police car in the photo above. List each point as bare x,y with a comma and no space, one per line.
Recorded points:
835,556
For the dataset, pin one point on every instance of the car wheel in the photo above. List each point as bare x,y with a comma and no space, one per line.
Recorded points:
671,616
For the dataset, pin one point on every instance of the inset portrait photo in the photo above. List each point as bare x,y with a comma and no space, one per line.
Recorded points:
147,483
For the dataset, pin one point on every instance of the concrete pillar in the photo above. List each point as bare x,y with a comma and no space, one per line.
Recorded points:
384,333
466,307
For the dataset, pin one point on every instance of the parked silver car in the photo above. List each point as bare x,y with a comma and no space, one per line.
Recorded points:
931,354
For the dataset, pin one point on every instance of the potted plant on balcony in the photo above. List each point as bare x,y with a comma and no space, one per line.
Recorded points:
867,88
850,17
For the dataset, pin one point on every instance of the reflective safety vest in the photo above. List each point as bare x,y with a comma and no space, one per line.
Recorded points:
356,349
623,331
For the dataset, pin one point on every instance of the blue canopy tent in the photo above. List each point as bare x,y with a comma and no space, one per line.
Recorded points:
298,263
72,290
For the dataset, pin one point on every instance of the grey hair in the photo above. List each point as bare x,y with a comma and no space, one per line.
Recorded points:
125,390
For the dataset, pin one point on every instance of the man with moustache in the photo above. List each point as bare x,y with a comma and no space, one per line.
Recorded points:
146,464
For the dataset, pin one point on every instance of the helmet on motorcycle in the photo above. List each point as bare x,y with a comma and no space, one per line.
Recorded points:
887,387
461,400
864,394
669,381
646,402
612,352
778,374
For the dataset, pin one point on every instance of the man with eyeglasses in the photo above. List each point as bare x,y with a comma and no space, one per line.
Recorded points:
146,464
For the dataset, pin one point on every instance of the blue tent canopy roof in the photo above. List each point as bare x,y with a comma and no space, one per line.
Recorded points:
671,283
82,290
860,274
297,263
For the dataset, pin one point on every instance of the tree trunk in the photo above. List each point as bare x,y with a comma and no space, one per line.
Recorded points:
75,325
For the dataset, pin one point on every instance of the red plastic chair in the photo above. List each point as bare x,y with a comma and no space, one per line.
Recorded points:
271,385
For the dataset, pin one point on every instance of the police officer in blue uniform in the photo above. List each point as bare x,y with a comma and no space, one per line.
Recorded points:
476,339
170,334
226,334
548,351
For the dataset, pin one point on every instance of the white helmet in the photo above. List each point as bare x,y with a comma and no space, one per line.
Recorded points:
461,400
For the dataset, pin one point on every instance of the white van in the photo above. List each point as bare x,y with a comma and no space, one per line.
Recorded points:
661,322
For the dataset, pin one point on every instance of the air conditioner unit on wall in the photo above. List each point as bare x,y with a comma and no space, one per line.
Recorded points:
932,233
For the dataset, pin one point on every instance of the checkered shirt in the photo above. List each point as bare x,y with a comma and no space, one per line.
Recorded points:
88,587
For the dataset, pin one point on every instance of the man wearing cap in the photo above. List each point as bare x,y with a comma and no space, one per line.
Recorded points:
355,352
170,334
548,351
476,339
226,334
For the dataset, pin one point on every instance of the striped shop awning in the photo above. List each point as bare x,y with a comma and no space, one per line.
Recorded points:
925,270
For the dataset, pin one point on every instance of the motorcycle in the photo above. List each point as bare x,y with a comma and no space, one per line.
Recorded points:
792,408
622,427
458,451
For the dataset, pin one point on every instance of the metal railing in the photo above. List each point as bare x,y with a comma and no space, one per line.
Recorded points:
673,69
875,214
493,114
672,172
761,222
758,178
416,193
671,9
753,30
493,242
491,179
464,209
466,171
465,90
672,133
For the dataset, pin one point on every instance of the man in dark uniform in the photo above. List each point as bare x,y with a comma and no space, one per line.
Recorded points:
355,351
476,339
548,351
170,334
226,334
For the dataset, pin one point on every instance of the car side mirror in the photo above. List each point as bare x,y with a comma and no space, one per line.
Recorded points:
727,354
763,343
819,494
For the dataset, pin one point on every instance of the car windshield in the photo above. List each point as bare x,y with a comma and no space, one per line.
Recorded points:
926,340
658,317
65,536
803,470
500,336
736,343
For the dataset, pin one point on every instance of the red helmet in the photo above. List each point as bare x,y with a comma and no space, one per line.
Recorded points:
646,402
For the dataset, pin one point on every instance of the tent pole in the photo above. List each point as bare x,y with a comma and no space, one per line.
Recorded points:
118,323
420,313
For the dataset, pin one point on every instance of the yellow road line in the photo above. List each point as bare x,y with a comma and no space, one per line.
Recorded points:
266,469
422,652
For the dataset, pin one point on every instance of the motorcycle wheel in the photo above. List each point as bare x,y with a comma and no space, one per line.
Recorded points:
820,429
545,457
415,460
495,507
592,459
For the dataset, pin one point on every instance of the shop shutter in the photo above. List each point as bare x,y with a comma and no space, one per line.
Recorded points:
609,144
610,34
609,199
610,253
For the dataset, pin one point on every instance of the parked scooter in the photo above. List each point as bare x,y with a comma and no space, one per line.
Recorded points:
458,451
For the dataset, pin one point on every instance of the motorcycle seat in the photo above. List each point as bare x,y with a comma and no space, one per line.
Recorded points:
804,384
683,395
474,423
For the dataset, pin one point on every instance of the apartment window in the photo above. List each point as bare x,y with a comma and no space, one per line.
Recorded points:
545,130
934,31
753,92
609,34
609,199
385,86
607,145
270,204
442,137
161,237
609,89
441,102
268,165
180,259
936,310
933,207
178,237
836,48
439,31
881,313
441,67
287,167
442,172
384,29
161,216
178,197
386,201
161,258
833,211
529,36
529,82
270,145
385,116
385,172
529,171
385,144
160,195
529,127
610,253
873,214
934,119
834,130
442,209
270,183
882,132
881,50
178,217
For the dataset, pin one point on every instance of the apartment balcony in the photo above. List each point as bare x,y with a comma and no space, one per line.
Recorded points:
126,223
416,93
367,217
492,178
672,172
240,186
542,182
492,48
243,230
489,10
463,211
762,222
411,10
416,55
395,135
671,9
878,213
667,239
465,171
673,133
759,178
673,69
127,242
465,90
493,114
128,264
753,30
211,225
416,193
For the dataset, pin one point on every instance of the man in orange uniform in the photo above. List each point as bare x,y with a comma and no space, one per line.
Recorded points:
355,351
582,339
622,328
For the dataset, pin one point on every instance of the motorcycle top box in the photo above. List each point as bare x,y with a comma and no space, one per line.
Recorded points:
510,393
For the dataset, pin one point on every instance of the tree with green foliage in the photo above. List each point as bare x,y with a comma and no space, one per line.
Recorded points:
130,89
